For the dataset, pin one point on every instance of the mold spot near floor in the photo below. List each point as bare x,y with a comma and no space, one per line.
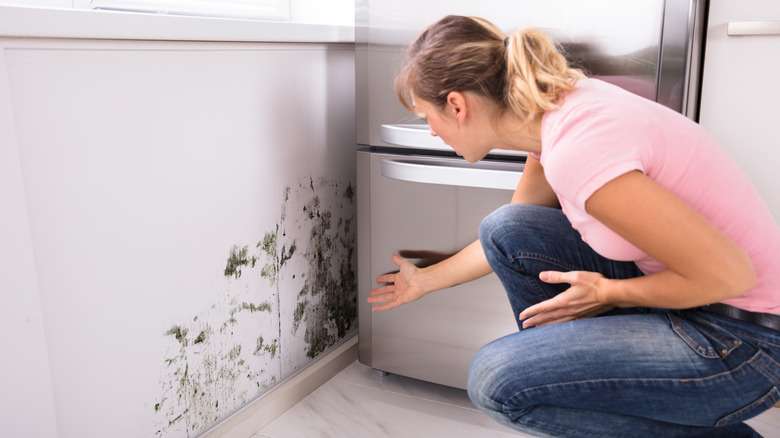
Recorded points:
282,300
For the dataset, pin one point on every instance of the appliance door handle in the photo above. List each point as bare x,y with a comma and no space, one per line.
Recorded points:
745,28
412,135
481,175
419,136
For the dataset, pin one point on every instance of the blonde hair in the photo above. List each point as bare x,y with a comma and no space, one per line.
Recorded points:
524,73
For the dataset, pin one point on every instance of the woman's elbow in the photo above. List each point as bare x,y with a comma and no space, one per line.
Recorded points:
742,279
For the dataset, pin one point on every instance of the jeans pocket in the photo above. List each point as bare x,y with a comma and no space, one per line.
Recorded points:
763,403
705,338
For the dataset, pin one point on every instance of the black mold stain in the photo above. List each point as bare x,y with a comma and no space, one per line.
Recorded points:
236,260
300,310
327,304
268,246
349,193
222,353
201,337
210,371
268,348
179,333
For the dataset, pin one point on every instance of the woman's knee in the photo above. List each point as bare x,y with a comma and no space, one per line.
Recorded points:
502,221
491,223
493,376
507,219
482,377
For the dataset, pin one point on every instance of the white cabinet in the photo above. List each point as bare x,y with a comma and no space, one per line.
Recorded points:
177,228
740,97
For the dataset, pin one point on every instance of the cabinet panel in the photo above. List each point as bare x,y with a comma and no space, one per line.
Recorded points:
191,217
434,338
739,98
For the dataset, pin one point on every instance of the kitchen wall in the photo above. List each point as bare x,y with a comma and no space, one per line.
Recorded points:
178,228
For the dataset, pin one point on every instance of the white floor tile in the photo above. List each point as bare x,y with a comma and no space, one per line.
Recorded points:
360,374
767,424
346,410
357,403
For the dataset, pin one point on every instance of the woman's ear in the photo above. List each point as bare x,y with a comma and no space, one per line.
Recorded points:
456,106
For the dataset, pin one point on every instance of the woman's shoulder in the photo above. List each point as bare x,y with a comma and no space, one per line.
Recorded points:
591,104
597,95
596,103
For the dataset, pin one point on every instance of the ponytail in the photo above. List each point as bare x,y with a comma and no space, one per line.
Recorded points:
537,74
524,73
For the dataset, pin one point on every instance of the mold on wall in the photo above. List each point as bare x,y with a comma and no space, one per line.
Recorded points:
162,166
287,298
325,307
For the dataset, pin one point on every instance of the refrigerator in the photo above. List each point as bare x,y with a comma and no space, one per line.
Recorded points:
415,197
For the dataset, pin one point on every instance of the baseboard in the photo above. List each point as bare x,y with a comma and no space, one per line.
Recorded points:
275,402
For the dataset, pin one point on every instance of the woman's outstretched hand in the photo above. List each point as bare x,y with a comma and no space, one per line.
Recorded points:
580,301
401,287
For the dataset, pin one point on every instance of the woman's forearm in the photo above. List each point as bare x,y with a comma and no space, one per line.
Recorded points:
411,283
669,290
467,265
703,264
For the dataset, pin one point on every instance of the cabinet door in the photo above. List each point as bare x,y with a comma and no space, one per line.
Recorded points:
739,97
432,339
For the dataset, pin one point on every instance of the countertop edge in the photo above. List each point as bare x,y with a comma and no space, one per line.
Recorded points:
37,22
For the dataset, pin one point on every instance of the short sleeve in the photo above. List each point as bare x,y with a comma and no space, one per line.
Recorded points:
588,151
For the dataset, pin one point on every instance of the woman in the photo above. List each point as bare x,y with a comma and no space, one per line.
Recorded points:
627,211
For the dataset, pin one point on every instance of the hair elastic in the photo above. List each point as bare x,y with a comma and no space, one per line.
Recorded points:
506,41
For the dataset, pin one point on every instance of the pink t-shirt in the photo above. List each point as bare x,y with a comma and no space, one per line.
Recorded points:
601,132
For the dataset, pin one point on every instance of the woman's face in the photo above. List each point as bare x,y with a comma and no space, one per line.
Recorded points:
446,125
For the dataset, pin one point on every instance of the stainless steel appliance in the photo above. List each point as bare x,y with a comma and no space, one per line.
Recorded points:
414,194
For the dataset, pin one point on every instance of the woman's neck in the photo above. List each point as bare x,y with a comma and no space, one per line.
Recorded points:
519,135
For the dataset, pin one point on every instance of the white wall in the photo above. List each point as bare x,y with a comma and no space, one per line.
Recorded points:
134,173
27,400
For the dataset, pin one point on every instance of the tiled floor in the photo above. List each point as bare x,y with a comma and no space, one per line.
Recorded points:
359,404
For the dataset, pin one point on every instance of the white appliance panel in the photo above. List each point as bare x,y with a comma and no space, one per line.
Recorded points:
434,338
738,103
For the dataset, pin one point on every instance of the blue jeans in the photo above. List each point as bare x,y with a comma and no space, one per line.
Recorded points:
628,373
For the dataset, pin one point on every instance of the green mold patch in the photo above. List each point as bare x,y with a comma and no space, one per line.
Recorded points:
326,303
287,297
236,261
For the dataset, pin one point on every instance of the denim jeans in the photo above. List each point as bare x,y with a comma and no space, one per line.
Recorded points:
627,373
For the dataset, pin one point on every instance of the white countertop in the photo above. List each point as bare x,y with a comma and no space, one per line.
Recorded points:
34,22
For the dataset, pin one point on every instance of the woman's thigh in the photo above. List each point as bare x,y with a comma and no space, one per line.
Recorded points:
521,240
672,368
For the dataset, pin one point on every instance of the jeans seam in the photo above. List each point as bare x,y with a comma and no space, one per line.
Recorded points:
535,425
556,431
771,396
732,342
747,363
706,352
539,289
764,368
757,361
747,335
541,257
517,258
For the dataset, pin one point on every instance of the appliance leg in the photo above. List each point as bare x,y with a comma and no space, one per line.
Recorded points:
380,373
